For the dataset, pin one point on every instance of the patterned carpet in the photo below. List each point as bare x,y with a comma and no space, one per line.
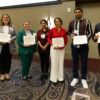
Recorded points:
34,89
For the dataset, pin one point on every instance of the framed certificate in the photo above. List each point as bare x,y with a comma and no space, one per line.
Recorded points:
29,40
58,42
78,40
5,37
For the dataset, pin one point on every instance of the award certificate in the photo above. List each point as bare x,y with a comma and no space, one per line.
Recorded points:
29,40
58,42
78,40
5,37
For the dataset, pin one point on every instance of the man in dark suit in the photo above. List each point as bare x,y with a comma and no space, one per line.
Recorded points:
96,36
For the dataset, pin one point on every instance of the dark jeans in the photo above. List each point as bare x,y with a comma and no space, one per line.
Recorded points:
5,59
44,57
82,54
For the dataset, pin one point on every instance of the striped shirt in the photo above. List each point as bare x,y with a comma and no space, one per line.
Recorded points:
83,26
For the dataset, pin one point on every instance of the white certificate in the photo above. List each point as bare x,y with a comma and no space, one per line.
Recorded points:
58,42
29,40
5,37
82,39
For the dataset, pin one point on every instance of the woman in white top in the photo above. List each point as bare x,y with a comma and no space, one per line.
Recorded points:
7,46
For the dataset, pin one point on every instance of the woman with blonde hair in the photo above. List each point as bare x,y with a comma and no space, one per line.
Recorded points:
6,47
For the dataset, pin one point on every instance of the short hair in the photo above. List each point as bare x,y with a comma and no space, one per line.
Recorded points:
58,19
78,8
43,20
27,21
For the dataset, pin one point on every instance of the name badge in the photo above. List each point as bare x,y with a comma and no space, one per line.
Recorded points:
42,36
76,32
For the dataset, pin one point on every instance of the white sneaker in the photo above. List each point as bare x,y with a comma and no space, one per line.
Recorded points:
84,83
74,82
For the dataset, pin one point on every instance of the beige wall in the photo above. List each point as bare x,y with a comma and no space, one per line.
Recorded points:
35,14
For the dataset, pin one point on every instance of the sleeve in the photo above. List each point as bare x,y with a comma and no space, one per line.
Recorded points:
89,30
50,37
20,39
66,37
13,35
95,31
38,36
70,28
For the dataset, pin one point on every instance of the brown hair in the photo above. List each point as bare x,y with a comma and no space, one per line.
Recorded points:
43,20
26,21
58,19
9,23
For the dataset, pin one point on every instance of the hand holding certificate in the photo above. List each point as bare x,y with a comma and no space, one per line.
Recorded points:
58,42
78,40
5,38
98,35
29,40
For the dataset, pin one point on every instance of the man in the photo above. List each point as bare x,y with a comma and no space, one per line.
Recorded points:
80,26
96,35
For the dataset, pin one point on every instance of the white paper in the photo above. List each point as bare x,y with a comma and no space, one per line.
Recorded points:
29,40
6,29
4,37
98,34
58,42
82,39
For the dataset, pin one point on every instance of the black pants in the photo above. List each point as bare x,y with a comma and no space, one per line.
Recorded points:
81,54
44,62
5,59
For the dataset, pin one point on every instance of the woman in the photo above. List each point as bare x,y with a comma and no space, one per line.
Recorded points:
57,51
43,48
7,47
25,51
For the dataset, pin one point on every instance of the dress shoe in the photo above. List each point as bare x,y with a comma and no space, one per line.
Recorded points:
7,76
2,78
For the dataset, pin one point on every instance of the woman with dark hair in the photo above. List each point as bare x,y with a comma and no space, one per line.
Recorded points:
43,48
57,51
6,48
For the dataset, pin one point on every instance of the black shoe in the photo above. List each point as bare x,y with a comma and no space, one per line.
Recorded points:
25,78
55,83
42,77
29,76
45,77
61,82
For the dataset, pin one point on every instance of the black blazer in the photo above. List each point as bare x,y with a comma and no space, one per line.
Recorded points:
97,29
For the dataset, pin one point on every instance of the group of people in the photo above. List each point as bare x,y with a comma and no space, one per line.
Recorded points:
45,45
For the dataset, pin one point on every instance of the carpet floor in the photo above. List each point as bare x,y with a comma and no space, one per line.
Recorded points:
35,89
